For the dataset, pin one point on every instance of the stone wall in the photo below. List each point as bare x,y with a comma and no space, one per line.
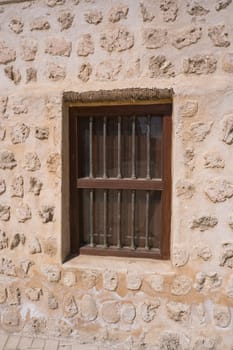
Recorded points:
49,47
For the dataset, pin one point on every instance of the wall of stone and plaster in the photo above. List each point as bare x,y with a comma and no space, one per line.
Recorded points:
48,47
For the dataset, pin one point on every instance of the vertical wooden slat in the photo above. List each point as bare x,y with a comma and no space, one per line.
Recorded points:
118,219
148,148
91,218
132,219
119,147
133,149
91,146
104,146
105,219
147,219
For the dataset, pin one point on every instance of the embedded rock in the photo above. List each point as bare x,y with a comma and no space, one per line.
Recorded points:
204,253
197,8
133,281
52,272
7,267
188,109
231,221
226,258
31,162
200,64
222,4
20,107
34,246
2,186
93,17
119,39
181,285
149,310
180,256
13,296
3,104
108,70
66,20
40,23
117,13
16,25
159,66
31,75
227,62
170,341
203,223
33,294
85,72
187,37
169,9
88,308
42,133
46,213
69,306
37,325
53,162
229,289
219,189
147,14
207,281
89,279
111,311
29,49
213,160
154,38
6,53
19,133
110,280
178,312
203,343
53,3
52,302
58,47
157,283
2,133
17,188
3,240
218,35
4,212
13,74
228,128
35,186
50,246
185,189
7,160
3,294
222,316
17,238
25,265
56,72
69,278
86,45
23,213
200,130
11,318
128,313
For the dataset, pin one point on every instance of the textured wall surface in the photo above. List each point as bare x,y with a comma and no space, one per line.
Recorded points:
48,47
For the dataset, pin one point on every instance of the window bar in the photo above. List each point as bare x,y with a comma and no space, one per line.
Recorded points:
132,219
147,219
105,219
104,146
118,219
91,219
133,148
90,146
119,147
148,148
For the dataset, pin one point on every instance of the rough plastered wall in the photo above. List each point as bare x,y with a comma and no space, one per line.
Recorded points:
48,47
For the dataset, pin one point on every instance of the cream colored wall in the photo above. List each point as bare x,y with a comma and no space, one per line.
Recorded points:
50,47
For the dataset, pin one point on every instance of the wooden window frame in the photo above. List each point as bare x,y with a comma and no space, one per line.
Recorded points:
164,185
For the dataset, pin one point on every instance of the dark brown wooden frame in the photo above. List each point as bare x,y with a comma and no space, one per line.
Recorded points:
165,110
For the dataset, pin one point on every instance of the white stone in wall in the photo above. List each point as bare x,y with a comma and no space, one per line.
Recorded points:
34,246
110,280
228,129
178,312
181,285
180,255
188,109
31,161
149,310
222,4
69,278
58,47
134,281
65,19
200,130
39,23
69,306
187,37
93,17
88,308
128,313
169,9
3,240
219,35
23,213
16,25
111,311
2,186
197,7
221,316
157,283
13,74
219,189
7,159
7,54
118,13
119,39
154,38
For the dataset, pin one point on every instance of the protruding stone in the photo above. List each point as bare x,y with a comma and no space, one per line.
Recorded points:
3,240
33,294
133,281
197,8
29,49
219,36
226,258
154,38
181,285
35,186
110,280
93,17
228,129
13,74
227,62
185,189
17,238
7,160
37,325
69,278
222,4
53,3
58,47
178,312
50,246
17,188
219,189
108,70
69,306
40,23
52,302
159,66
11,318
117,13
65,19
56,72
149,310
31,75
89,279
169,9
231,222
200,64
20,107
52,272
203,223
85,72
23,213
180,256
88,308
25,265
16,25
229,289
2,186
2,133
7,267
34,246
86,45
128,313
147,14
31,161
3,104
4,212
205,282
42,133
53,162
46,213
19,133
213,160
204,253
203,343
188,109
13,296
222,316
3,294
111,311
170,340
200,130
119,39
7,54
187,37
157,283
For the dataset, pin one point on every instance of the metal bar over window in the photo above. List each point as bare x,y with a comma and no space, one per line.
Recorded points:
133,147
90,146
91,219
147,219
105,219
104,146
118,219
132,219
148,148
119,147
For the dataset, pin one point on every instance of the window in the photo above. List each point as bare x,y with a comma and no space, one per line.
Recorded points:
120,180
